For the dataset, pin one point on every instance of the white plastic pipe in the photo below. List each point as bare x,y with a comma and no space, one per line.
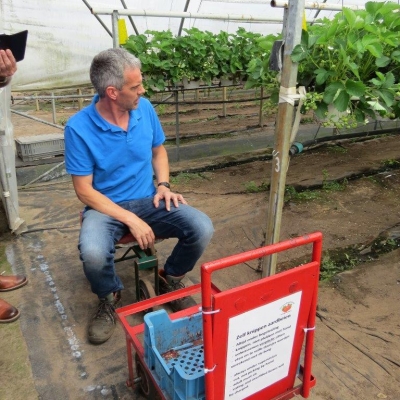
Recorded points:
316,5
172,14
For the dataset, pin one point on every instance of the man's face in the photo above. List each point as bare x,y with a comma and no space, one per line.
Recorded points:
128,97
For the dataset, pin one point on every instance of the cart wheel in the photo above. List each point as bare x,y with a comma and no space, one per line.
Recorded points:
146,291
146,385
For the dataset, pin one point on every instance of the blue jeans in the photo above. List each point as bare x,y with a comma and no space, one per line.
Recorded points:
99,234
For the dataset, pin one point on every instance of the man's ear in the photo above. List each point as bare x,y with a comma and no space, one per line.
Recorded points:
111,92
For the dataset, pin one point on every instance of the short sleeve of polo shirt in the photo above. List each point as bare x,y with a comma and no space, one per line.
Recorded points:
81,133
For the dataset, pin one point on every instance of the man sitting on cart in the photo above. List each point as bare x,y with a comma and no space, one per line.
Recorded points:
113,148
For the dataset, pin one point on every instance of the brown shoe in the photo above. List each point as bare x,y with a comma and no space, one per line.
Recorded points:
8,313
11,282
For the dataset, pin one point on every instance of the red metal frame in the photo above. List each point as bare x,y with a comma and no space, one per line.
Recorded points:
303,278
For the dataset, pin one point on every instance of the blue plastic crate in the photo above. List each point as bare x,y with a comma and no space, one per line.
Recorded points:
174,354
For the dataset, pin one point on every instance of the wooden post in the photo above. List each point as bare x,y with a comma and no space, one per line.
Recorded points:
80,100
196,99
224,98
177,139
261,115
283,128
37,103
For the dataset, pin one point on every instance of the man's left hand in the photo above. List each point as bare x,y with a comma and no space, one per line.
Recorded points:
8,65
165,194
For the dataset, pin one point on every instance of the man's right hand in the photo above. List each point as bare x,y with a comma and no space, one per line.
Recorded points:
142,232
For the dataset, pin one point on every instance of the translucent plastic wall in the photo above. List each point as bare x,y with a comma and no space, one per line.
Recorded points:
64,35
8,180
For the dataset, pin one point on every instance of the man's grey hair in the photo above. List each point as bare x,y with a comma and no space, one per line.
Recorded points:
108,67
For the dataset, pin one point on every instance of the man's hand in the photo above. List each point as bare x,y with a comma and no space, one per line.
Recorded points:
8,65
142,232
165,194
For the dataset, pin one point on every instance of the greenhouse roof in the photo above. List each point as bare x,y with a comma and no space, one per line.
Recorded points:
64,36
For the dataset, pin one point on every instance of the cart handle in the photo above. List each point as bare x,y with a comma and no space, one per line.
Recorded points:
208,268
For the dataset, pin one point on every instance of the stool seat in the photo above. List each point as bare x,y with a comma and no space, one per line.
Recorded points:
129,240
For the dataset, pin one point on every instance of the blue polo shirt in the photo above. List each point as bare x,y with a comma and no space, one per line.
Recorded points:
120,161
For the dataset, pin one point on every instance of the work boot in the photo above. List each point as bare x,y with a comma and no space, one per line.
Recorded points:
167,284
102,324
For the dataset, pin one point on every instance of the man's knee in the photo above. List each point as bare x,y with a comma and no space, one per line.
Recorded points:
95,255
204,229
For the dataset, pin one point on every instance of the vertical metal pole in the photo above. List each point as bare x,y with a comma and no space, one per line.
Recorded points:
283,127
53,106
115,29
183,19
130,18
177,124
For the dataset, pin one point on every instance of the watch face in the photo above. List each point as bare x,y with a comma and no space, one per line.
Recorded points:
166,184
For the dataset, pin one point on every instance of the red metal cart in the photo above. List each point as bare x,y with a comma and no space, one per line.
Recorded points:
258,338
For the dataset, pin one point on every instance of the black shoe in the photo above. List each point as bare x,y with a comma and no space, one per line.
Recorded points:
167,284
103,322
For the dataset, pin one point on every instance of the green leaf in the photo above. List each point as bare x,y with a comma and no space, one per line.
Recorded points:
387,96
371,27
360,116
359,23
389,80
312,40
372,7
321,110
375,105
382,61
350,16
332,91
356,89
299,53
396,55
354,69
369,39
375,49
341,102
321,76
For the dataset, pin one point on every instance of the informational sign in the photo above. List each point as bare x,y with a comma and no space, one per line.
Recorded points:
260,344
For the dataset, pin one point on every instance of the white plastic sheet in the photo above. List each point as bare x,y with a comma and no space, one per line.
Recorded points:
64,35
8,180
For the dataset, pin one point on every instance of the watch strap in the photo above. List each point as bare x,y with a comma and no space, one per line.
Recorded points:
166,184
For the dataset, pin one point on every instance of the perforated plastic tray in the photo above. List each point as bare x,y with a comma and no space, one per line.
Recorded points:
174,354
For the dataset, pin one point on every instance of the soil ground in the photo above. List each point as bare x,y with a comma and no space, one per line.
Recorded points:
345,190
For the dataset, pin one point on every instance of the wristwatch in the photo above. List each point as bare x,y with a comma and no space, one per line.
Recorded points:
166,184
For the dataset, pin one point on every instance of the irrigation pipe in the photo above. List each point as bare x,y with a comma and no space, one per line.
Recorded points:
45,174
216,101
37,119
307,143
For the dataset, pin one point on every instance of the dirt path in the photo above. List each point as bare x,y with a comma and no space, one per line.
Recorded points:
357,335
